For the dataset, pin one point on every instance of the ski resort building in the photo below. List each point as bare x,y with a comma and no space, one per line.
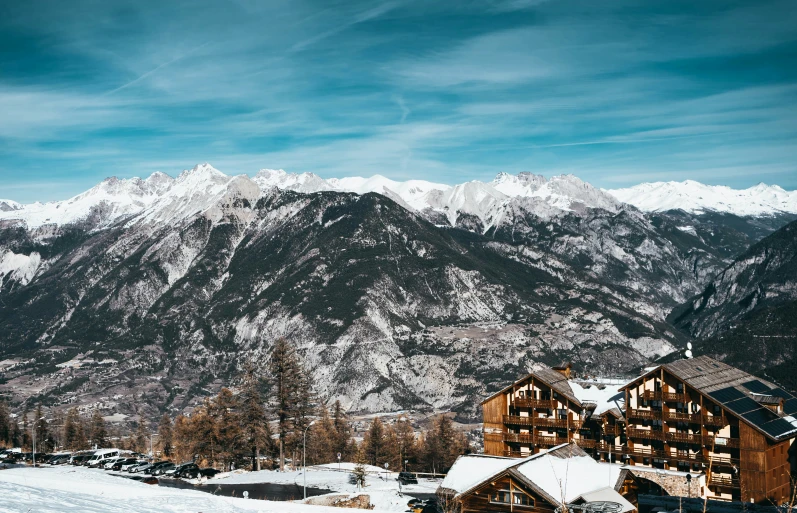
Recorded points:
693,418
563,475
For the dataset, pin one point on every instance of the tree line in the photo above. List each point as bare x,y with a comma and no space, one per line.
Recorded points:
235,428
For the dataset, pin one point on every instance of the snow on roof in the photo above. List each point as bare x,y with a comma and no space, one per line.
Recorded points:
472,469
569,478
606,399
610,495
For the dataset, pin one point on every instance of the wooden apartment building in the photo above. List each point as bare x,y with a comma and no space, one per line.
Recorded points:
695,415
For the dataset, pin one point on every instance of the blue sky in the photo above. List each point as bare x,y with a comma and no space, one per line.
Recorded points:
616,92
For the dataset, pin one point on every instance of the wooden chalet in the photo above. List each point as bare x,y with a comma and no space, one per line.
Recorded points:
695,416
541,482
545,409
703,415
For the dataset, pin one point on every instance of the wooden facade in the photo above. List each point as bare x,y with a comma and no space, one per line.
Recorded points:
670,421
540,411
508,492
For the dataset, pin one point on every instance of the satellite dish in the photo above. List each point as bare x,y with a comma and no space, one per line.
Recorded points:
689,345
688,353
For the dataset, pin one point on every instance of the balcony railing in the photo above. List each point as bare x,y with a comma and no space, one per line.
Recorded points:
632,413
683,437
586,443
678,416
658,395
519,438
644,433
549,441
528,402
715,420
721,442
517,420
516,454
493,437
727,482
612,429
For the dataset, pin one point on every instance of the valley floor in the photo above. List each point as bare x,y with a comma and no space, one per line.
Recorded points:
77,489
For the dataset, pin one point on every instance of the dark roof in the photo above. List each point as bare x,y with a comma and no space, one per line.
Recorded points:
737,391
556,380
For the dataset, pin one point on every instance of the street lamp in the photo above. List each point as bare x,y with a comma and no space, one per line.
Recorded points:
304,457
35,425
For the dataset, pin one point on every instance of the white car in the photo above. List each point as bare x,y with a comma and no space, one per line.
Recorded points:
128,466
110,463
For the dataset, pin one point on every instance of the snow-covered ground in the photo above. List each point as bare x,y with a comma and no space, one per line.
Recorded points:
78,489
381,486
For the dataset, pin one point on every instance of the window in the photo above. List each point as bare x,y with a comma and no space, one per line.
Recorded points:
516,498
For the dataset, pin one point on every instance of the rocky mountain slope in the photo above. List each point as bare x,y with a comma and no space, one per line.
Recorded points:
420,296
747,315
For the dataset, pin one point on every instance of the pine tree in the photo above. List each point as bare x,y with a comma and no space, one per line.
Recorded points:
358,474
321,446
166,436
97,431
342,433
141,440
227,423
203,435
26,440
183,441
374,443
43,442
71,426
406,448
5,425
256,430
443,445
285,381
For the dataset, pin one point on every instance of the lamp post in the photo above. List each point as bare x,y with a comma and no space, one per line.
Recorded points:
304,457
35,425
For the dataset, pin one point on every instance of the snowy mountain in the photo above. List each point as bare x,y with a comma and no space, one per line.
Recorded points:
398,294
8,205
695,197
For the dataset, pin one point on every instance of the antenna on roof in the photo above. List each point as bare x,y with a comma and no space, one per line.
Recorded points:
688,352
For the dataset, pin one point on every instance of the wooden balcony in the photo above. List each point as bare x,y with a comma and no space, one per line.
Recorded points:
612,448
683,437
675,416
715,420
528,402
493,437
723,461
518,438
646,434
586,443
632,413
549,441
613,429
516,454
516,420
725,482
658,395
712,441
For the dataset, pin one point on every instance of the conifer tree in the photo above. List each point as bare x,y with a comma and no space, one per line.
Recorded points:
443,445
256,430
5,425
406,448
97,431
183,443
141,439
285,373
26,440
374,443
342,433
166,436
321,446
40,426
227,422
358,474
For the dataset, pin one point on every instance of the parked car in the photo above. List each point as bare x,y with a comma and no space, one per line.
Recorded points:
162,469
59,459
80,459
124,464
141,467
109,463
156,466
406,478
101,456
192,471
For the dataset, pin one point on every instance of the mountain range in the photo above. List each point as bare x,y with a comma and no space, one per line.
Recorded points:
149,294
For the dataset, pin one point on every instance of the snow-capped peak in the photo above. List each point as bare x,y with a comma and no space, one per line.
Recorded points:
695,197
8,205
299,182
